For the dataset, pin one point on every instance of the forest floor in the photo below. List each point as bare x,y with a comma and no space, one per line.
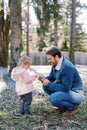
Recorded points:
46,117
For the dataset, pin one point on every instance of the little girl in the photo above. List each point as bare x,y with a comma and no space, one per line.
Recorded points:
24,83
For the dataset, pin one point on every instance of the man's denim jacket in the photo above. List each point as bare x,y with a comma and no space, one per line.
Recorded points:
65,79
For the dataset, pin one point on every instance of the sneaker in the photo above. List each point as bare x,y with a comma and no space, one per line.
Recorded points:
72,112
58,108
29,113
22,112
18,114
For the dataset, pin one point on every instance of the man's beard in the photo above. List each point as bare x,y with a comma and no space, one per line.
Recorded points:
54,66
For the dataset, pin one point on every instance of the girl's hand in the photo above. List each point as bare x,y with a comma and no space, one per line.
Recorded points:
40,78
34,76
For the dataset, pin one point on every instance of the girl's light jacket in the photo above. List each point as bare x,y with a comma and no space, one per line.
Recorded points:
24,80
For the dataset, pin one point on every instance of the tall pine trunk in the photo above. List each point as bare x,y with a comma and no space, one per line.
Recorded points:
55,32
55,25
4,36
27,29
16,32
72,37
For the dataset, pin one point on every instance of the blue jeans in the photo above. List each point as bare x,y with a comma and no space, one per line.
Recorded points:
66,100
26,102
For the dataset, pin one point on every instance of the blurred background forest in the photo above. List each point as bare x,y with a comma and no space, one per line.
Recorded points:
57,25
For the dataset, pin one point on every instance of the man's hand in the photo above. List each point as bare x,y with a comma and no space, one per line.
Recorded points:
45,82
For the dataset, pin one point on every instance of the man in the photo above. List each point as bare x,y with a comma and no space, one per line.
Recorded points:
63,85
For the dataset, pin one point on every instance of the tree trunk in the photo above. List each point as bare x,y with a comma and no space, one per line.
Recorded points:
16,32
4,36
27,29
55,33
1,30
72,37
6,41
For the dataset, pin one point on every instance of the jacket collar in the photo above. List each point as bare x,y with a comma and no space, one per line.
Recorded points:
58,66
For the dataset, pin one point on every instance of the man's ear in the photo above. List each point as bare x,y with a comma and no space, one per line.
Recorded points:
57,56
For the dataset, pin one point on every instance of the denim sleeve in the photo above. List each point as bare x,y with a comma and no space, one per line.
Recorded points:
66,81
51,77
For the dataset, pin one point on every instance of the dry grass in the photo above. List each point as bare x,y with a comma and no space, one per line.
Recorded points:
46,117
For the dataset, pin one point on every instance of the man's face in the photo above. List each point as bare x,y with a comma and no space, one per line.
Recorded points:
53,60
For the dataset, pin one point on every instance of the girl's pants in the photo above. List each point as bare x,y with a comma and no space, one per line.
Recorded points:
26,102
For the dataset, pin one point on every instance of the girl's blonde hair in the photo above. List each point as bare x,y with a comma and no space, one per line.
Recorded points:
24,60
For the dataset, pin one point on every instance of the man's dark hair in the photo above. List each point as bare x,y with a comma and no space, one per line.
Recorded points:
54,51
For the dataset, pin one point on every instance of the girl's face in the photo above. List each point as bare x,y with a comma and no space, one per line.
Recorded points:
26,66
